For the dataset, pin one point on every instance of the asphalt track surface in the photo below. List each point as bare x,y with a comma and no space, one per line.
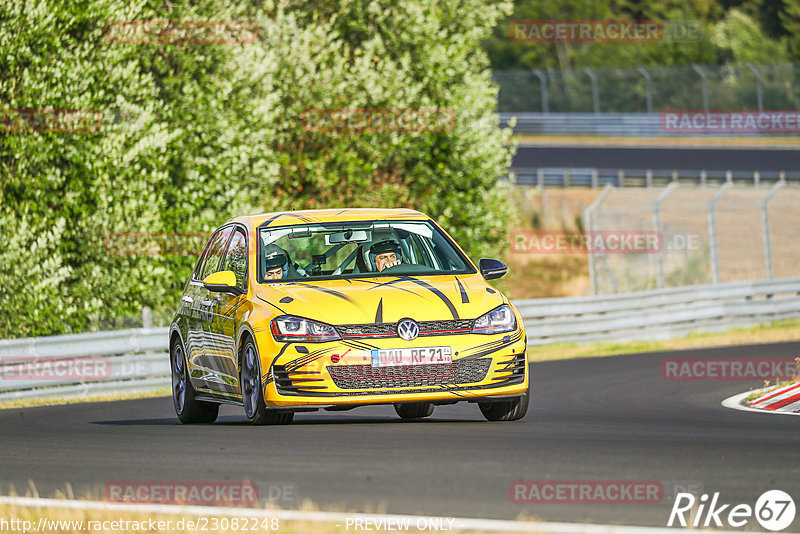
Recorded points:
611,418
721,159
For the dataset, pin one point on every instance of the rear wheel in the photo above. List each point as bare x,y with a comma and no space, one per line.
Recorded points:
510,410
188,408
413,410
253,394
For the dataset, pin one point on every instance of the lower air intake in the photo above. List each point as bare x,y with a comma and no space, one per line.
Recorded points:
367,377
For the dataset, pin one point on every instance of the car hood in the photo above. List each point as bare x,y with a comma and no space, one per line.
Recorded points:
383,299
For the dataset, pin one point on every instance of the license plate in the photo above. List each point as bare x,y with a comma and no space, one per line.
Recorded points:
409,356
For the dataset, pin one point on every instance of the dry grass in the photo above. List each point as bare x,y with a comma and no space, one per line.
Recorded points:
771,333
547,275
24,403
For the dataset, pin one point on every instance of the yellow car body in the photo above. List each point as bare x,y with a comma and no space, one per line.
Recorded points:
223,317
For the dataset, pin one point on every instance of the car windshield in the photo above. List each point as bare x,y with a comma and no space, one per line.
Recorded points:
356,249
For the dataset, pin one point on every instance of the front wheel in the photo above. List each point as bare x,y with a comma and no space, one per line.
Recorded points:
413,410
253,394
188,408
510,410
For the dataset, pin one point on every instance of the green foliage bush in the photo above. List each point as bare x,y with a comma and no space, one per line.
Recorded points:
193,134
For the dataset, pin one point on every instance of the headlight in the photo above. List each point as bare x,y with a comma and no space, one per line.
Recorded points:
497,321
290,328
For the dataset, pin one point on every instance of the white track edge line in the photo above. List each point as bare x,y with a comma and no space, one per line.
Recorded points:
459,524
735,402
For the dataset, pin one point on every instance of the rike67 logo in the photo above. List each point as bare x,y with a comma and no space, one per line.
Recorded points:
774,510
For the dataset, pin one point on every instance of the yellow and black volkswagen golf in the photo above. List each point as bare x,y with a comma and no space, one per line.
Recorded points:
335,309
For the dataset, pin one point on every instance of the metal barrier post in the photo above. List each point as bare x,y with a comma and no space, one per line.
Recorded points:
765,226
702,74
759,89
712,231
648,92
543,85
589,225
657,227
595,92
147,317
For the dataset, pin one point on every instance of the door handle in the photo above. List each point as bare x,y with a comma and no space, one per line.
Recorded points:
208,303
187,300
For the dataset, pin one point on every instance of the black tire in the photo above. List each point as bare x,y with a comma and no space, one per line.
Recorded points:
253,393
187,407
413,410
510,410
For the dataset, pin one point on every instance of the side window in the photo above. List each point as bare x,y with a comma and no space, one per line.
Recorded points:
211,263
236,257
198,269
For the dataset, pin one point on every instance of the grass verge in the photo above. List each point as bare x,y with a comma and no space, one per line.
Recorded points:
769,333
25,403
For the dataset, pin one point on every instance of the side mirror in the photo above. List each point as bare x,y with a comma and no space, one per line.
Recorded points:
222,282
491,269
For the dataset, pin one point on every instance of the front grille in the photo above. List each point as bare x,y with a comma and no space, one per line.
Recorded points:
367,377
389,330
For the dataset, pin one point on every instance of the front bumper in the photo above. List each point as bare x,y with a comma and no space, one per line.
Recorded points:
339,373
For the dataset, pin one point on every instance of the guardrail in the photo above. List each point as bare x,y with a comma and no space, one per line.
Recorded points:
135,360
120,361
609,124
616,124
660,314
592,177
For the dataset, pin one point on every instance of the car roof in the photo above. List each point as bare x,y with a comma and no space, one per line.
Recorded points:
284,218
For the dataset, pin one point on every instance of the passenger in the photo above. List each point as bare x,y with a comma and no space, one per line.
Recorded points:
276,262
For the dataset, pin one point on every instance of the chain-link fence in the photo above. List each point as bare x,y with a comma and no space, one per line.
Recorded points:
650,89
704,235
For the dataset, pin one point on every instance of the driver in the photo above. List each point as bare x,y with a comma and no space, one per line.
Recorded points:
386,254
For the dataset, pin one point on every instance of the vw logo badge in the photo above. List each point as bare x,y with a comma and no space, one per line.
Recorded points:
407,329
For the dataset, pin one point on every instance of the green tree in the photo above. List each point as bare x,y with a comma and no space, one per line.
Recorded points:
179,148
393,55
195,133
